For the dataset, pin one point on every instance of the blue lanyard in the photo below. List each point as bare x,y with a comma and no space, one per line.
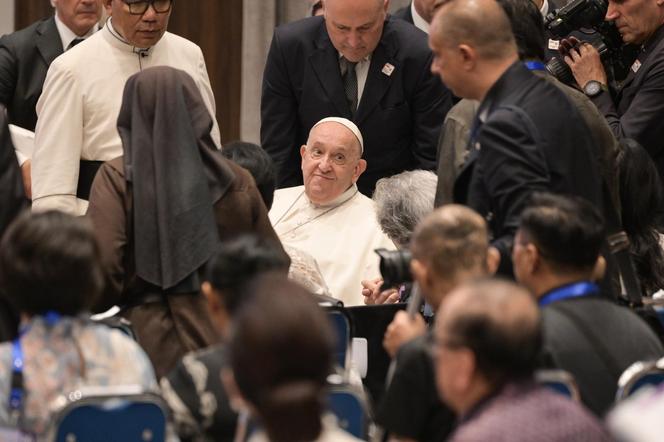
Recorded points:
574,290
535,65
17,391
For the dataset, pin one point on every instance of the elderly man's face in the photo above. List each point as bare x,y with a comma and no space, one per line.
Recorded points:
636,20
144,30
331,162
355,26
78,15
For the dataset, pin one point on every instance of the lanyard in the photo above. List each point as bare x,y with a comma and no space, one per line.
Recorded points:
574,290
535,65
17,391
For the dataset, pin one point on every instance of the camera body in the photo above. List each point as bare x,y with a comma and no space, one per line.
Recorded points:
394,267
617,57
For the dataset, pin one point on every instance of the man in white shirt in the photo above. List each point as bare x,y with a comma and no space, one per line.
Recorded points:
78,109
328,217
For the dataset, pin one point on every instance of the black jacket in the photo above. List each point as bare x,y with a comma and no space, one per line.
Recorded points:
25,57
532,139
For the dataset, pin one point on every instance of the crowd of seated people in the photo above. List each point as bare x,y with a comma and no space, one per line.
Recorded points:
224,279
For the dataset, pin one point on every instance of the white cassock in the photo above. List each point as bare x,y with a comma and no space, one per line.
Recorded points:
79,107
341,236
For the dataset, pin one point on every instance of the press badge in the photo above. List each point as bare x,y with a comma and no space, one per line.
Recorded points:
636,65
554,44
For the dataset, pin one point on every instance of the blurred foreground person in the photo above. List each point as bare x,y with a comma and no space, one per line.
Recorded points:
280,362
488,338
50,271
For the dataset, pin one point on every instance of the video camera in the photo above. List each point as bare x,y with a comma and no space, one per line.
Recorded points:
585,16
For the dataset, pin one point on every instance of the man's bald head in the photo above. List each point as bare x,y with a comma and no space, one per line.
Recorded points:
499,322
450,240
480,24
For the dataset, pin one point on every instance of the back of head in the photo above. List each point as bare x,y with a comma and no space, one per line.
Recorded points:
527,27
281,352
240,260
50,261
567,231
642,202
402,201
258,163
481,24
499,322
450,240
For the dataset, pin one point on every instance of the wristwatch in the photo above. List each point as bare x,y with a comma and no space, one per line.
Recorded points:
593,88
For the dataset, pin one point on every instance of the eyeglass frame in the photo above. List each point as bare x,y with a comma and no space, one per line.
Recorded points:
148,3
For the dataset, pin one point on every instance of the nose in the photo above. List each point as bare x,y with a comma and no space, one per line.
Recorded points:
150,14
324,164
354,40
611,12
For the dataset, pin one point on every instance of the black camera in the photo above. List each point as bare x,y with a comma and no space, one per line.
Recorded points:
394,267
587,16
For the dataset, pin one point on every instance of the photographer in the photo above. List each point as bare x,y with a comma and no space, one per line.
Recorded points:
635,109
450,246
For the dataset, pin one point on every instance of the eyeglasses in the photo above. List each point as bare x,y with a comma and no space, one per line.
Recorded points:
138,7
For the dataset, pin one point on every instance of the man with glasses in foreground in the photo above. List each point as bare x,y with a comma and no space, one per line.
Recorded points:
77,111
488,338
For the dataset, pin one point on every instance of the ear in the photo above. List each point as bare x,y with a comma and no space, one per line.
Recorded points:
468,56
600,269
466,365
386,5
303,149
492,260
212,298
359,169
533,261
421,274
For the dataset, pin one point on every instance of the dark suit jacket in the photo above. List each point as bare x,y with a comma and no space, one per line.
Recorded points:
12,201
404,14
25,57
637,109
532,139
570,344
400,115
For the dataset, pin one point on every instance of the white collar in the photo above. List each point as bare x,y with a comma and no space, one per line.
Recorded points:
347,195
418,21
118,41
67,35
545,8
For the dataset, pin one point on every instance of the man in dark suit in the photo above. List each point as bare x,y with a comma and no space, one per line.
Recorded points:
527,136
25,56
635,109
359,64
556,251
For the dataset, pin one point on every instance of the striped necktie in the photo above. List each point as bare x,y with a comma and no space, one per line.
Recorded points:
349,77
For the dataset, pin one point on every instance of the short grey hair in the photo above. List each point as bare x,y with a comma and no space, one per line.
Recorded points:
402,201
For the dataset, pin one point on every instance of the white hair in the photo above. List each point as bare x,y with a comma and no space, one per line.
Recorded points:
402,201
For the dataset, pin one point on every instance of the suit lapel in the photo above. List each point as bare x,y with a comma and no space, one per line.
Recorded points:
378,82
48,42
325,63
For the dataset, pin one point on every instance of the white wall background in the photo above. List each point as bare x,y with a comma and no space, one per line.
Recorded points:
6,16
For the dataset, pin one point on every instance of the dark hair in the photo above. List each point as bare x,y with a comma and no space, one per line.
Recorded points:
281,354
50,261
642,200
567,231
238,261
527,27
501,325
258,163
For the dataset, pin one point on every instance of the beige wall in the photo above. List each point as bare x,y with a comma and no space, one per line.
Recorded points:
6,16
